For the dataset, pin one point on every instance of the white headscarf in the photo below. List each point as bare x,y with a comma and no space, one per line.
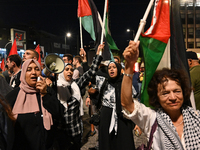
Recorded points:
63,91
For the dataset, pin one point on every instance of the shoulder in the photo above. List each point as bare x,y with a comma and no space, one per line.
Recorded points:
12,95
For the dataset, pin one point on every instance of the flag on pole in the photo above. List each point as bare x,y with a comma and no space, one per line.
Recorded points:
37,49
109,38
154,42
91,22
84,11
13,50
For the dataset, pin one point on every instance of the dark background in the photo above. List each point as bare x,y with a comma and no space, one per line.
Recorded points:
60,16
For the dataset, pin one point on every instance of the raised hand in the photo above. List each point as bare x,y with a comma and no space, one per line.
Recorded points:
100,48
131,53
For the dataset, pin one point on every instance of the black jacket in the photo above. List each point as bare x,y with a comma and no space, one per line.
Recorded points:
30,133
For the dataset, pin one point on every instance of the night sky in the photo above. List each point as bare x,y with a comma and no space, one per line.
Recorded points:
60,16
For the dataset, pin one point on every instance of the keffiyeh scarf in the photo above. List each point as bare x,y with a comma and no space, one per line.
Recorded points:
169,136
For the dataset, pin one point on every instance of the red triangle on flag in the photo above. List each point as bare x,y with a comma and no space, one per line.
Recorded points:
84,8
37,49
13,49
3,65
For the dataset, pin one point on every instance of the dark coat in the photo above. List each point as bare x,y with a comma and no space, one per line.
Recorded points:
30,133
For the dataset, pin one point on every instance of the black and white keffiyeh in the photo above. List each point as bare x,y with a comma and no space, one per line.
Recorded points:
169,136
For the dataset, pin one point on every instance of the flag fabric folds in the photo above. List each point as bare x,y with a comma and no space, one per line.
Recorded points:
37,49
153,43
177,44
91,22
84,11
109,38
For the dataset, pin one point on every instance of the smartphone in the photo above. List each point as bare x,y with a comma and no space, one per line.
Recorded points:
38,78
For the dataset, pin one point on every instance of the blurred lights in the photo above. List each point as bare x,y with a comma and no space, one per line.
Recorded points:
68,34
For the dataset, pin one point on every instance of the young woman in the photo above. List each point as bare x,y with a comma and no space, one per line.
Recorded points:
34,108
115,131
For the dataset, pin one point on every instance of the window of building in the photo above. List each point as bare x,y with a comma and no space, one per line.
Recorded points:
198,45
197,32
190,45
190,33
190,18
197,18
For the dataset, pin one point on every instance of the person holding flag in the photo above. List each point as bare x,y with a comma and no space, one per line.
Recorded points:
175,123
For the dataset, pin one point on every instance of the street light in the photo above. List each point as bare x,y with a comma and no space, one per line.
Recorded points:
68,35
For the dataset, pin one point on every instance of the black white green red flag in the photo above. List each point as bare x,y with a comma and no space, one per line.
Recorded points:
154,42
92,23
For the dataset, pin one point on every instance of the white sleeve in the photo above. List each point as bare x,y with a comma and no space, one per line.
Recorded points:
142,116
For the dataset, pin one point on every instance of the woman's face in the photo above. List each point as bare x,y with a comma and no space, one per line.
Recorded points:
170,96
68,73
112,70
32,73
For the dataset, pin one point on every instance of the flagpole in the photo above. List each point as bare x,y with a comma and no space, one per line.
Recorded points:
81,34
103,26
143,21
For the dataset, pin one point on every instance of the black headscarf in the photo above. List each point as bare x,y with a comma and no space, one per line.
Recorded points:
116,83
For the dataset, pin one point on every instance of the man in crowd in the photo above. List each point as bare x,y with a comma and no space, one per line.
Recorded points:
194,66
68,58
79,69
14,66
7,74
30,54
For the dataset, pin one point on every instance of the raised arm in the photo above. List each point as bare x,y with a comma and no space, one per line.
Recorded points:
86,77
130,54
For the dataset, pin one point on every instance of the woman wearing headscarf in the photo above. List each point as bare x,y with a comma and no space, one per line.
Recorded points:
70,131
34,108
115,132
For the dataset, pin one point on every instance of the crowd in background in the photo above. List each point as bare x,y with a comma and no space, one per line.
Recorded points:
41,112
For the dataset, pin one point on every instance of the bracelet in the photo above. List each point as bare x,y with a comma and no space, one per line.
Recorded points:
128,75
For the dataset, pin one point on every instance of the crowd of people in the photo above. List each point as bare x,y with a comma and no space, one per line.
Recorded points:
37,114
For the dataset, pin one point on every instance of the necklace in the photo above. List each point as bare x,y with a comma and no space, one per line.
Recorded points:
178,124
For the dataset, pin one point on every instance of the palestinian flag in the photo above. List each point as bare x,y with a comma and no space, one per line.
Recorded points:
85,13
154,42
177,44
37,49
109,38
90,19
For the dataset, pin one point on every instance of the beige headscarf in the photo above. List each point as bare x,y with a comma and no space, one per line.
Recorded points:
26,101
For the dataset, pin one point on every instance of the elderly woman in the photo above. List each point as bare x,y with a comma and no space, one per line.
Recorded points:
169,92
34,108
115,131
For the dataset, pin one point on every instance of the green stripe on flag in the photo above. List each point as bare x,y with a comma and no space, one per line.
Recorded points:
88,25
109,38
153,51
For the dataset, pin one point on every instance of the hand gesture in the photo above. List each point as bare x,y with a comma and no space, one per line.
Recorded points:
42,86
82,53
131,53
100,48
